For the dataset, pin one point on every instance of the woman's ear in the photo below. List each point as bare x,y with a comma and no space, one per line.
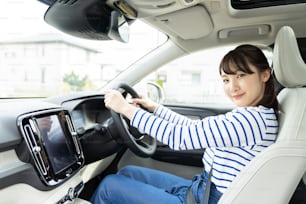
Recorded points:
265,75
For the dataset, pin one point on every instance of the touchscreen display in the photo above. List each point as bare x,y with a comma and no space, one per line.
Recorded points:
55,142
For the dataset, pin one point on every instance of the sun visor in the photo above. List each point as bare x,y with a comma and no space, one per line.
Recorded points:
178,23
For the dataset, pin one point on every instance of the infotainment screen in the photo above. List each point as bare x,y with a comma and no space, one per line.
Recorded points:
59,152
53,144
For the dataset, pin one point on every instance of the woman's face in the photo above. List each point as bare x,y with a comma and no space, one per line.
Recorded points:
245,89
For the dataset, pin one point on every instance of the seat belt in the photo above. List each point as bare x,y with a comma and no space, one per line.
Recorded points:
207,188
190,198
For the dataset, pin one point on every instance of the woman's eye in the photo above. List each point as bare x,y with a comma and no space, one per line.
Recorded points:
225,81
240,75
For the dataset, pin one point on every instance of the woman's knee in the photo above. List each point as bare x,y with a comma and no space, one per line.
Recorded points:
110,180
107,186
108,183
127,170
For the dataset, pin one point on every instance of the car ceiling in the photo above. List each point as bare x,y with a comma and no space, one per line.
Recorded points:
194,24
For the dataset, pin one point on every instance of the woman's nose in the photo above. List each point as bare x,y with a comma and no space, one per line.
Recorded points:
234,86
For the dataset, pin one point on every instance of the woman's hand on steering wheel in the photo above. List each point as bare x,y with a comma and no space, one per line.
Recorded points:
115,101
141,144
146,103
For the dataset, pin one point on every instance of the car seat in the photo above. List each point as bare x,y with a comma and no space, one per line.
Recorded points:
273,176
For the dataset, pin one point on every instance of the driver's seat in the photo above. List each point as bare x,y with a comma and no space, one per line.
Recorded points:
273,176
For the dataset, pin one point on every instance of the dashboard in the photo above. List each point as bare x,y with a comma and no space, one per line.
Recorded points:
46,144
94,126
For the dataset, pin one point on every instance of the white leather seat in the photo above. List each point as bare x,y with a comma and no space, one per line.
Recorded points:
273,176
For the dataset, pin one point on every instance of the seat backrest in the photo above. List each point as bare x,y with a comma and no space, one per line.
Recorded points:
273,175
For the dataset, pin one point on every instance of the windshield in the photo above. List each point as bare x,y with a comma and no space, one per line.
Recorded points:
37,60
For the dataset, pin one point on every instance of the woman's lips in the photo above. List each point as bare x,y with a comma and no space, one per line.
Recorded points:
238,96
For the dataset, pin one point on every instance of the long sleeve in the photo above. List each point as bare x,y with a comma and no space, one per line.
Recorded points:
230,141
241,127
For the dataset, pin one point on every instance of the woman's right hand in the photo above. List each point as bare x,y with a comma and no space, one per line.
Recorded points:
115,101
146,103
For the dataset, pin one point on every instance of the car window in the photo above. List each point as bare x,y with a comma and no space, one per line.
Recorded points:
37,60
194,80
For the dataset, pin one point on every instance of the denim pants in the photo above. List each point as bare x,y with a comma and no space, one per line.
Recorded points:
139,185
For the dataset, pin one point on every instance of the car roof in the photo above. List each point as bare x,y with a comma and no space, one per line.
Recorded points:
197,24
212,23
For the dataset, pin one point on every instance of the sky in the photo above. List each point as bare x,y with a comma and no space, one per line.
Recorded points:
29,12
21,18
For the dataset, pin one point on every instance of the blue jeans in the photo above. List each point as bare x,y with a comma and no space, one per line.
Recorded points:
139,185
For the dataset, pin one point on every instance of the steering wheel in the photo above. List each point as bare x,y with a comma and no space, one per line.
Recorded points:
139,143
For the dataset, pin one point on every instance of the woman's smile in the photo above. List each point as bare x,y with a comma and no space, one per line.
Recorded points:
238,96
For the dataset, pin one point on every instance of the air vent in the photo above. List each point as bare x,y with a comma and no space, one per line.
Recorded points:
35,146
73,134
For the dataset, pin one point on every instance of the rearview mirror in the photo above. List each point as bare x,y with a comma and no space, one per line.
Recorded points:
119,27
90,19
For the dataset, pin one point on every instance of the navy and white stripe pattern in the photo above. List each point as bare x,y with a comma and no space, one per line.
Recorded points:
231,140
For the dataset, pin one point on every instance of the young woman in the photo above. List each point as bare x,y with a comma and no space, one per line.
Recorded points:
231,140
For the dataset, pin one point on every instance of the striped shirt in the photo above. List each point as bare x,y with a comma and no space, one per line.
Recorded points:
230,140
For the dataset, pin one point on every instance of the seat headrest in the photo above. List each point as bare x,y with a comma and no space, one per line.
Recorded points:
289,67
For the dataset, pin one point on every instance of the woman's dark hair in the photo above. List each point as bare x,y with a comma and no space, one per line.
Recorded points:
240,58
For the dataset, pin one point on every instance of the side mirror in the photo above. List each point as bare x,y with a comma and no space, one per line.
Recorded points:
155,92
90,19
